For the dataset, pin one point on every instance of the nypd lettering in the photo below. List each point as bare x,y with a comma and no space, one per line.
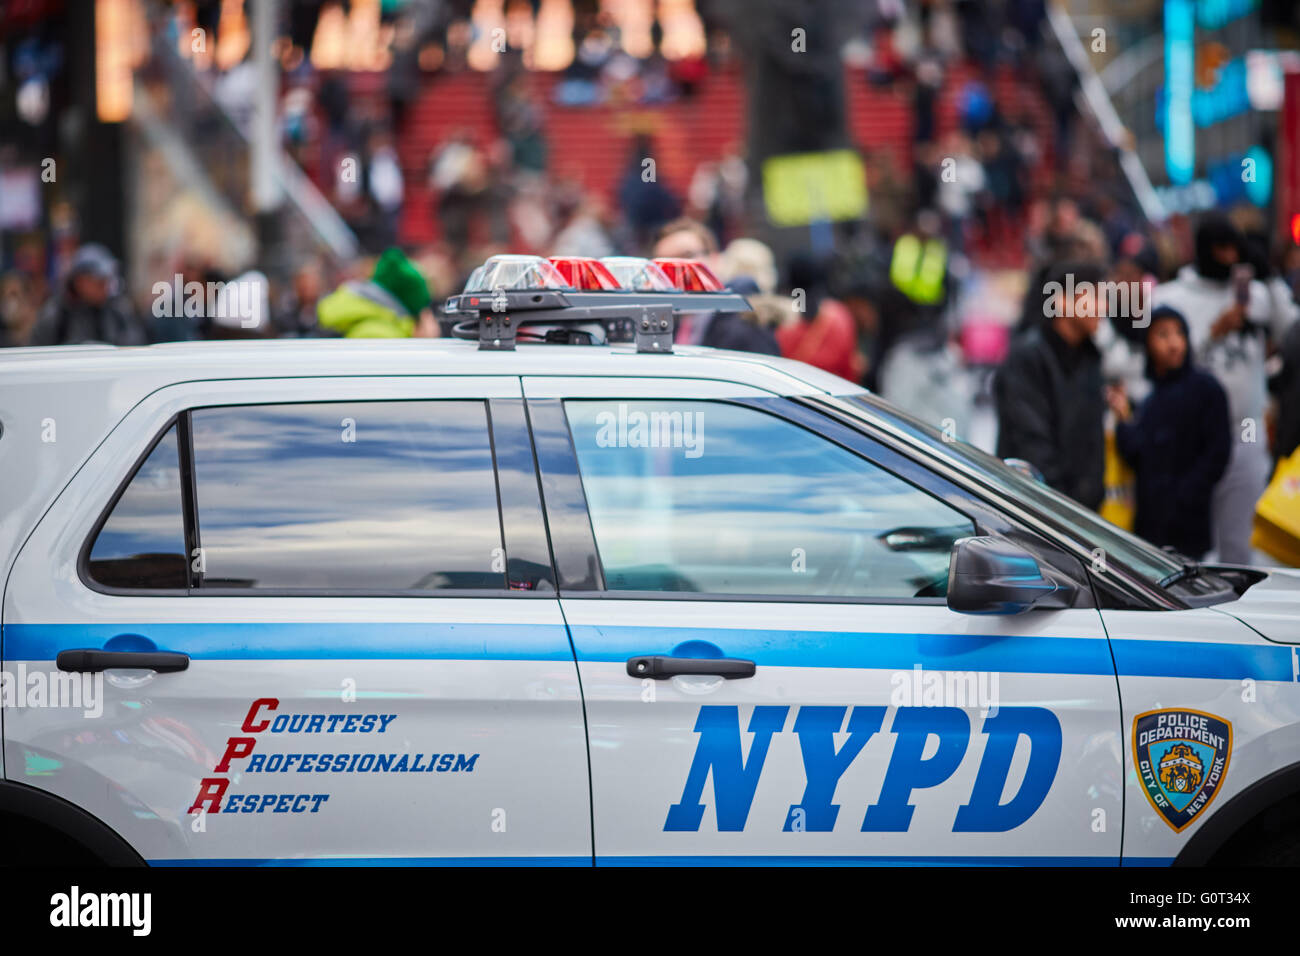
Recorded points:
912,766
262,719
1181,758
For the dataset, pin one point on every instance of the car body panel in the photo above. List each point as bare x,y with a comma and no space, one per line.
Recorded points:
578,761
1271,606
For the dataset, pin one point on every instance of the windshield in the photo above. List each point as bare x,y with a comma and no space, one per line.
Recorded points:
1086,526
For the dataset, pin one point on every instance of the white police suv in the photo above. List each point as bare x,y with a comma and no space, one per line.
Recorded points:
603,600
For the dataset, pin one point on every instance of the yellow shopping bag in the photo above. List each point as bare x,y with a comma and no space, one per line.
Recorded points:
1119,505
1277,514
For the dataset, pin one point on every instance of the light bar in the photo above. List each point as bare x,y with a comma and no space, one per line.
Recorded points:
578,300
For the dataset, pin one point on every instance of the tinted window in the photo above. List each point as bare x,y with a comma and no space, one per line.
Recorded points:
716,498
142,544
362,495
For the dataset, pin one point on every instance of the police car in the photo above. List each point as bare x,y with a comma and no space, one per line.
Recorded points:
603,600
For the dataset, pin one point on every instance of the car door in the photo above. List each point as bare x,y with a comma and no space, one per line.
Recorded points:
308,619
770,673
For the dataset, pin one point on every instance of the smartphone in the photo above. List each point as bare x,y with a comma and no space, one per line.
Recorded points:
1242,274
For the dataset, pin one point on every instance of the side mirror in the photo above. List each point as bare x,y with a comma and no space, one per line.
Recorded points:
991,576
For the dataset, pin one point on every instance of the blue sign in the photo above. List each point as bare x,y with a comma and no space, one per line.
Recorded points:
1180,63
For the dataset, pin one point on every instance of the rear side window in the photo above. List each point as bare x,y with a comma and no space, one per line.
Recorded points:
142,543
372,496
714,498
353,497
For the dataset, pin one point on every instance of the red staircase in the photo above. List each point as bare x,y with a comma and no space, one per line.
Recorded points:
592,145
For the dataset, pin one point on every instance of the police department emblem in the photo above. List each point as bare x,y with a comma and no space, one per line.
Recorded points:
1182,758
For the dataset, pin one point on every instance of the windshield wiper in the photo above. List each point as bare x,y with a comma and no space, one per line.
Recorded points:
1189,569
1182,574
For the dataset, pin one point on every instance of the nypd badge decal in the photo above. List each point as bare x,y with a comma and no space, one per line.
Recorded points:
1181,758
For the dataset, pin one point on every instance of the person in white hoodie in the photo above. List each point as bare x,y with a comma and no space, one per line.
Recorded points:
1231,320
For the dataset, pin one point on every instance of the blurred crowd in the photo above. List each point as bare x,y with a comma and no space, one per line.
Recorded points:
1185,373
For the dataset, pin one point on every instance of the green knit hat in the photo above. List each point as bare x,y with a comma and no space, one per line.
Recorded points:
398,275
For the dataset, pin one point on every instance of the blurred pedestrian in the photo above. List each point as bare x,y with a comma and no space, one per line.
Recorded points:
646,202
961,180
1066,234
752,258
458,178
295,313
393,303
19,307
583,231
385,188
1230,318
918,269
89,307
1176,442
1048,393
823,333
690,239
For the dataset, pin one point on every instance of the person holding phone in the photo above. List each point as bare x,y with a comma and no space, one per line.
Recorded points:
1230,320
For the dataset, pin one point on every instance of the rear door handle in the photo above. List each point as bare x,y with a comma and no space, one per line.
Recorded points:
662,668
92,660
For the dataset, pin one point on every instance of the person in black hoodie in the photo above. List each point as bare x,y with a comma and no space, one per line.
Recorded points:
1177,441
1048,393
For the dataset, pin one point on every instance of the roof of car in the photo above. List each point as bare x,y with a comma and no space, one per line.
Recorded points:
191,361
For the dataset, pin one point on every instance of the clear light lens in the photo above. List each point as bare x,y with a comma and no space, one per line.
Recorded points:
515,272
638,275
475,281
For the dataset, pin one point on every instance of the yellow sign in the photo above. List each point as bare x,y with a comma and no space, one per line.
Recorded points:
801,188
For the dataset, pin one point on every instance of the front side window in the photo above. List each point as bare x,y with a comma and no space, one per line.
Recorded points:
714,498
1081,523
370,496
142,542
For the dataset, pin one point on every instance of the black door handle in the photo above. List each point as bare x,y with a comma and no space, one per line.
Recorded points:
662,668
92,660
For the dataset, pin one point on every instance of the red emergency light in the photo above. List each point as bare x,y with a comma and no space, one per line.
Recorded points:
585,273
689,275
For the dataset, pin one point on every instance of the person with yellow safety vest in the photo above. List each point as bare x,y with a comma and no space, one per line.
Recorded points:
918,267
